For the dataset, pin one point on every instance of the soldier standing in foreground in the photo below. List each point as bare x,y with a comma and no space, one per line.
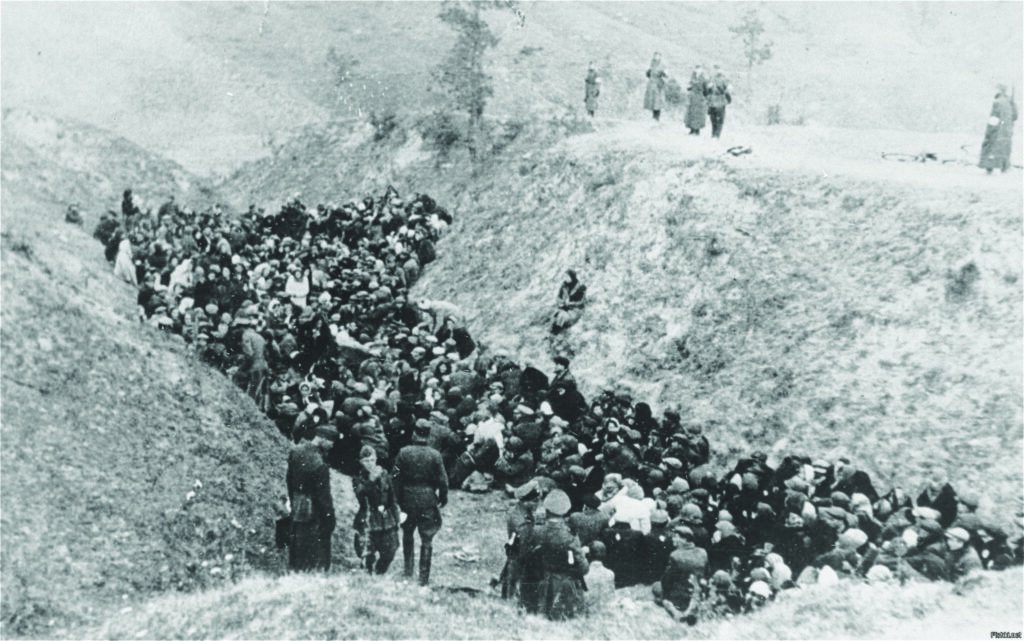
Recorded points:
422,489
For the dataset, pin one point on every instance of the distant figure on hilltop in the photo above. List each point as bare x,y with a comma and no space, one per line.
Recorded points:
697,107
654,97
995,150
593,90
572,297
718,97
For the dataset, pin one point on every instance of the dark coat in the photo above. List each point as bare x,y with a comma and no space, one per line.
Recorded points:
378,505
697,106
998,143
420,479
564,565
313,521
658,546
654,95
588,525
592,90
945,502
625,553
687,561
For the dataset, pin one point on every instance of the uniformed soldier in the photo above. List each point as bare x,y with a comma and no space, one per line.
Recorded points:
563,561
422,489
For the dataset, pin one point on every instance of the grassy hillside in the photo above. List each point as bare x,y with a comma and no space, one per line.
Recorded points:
109,425
211,84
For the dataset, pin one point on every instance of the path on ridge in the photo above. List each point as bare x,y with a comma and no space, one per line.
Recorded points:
819,150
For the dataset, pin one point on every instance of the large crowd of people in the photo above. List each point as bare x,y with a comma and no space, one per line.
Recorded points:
309,310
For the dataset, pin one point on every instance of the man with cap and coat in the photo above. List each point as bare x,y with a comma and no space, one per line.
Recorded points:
687,565
421,486
961,557
563,562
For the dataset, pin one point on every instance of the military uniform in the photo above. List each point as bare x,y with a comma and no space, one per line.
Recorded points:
564,564
421,486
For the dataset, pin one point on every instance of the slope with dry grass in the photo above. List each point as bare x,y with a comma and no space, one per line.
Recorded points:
129,468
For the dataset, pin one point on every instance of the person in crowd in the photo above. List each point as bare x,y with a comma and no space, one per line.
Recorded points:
697,106
312,507
563,562
998,142
422,489
654,96
687,565
376,521
520,577
718,97
600,581
938,494
592,89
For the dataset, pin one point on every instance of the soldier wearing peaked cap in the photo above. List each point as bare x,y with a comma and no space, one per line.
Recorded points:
562,560
421,485
521,574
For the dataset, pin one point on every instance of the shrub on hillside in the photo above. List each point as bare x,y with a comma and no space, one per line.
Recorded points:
960,284
384,125
439,131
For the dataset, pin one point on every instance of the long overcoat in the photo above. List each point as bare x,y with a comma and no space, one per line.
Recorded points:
995,150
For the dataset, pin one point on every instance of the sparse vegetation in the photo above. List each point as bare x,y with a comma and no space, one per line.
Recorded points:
461,73
750,30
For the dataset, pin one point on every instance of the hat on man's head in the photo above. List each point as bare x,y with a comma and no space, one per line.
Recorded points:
561,360
422,427
524,409
659,516
959,534
557,502
683,531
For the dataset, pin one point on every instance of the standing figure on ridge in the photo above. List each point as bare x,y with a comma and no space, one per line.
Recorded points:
593,89
654,96
995,150
697,106
718,97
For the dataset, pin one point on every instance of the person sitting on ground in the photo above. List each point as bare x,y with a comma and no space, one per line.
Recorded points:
572,297
687,565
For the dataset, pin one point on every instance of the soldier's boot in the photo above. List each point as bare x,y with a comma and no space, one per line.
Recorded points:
426,551
409,552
